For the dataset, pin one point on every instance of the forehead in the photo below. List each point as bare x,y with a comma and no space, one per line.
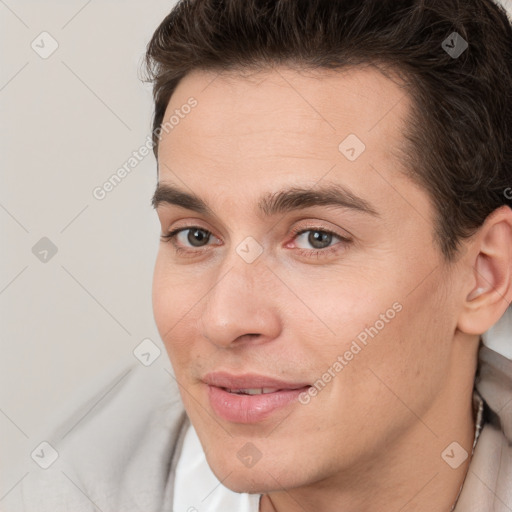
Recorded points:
284,112
251,133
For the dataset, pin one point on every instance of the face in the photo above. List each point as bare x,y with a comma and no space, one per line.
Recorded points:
301,292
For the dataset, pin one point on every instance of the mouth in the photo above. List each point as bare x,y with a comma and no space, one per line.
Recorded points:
253,391
250,398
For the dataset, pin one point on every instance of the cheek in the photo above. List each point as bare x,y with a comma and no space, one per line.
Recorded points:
163,299
343,310
387,327
405,362
174,297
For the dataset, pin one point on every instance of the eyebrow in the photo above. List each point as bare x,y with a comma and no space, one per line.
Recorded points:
273,203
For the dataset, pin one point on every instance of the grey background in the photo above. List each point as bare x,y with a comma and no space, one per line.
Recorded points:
68,123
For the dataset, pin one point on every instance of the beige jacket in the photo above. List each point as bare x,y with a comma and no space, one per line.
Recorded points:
488,484
118,446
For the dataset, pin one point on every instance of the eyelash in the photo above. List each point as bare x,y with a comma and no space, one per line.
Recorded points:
171,236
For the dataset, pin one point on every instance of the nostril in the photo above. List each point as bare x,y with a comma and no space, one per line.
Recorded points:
247,336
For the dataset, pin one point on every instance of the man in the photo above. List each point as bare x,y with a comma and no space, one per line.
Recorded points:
334,198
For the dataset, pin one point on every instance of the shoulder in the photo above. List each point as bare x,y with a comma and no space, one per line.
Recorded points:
109,448
487,485
488,481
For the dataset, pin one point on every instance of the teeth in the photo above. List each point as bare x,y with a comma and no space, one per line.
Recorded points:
253,391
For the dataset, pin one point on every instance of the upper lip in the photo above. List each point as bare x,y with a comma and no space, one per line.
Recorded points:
248,381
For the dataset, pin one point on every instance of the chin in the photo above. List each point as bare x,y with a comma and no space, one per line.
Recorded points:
263,477
249,481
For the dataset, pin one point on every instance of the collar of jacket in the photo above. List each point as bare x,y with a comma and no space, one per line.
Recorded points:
488,483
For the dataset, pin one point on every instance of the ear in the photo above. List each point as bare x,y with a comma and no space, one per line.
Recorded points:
489,289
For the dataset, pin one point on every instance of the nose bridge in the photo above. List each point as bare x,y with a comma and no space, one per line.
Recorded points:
242,271
239,302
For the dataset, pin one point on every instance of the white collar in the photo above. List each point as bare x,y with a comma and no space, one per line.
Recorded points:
197,489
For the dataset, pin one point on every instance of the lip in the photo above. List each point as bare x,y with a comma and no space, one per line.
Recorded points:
239,408
248,380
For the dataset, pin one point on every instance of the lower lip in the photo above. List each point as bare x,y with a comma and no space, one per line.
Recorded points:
250,408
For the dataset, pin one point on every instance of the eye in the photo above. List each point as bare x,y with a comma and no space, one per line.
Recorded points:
319,239
195,236
314,241
319,242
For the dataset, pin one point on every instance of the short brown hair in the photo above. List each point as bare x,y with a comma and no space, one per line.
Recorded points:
460,131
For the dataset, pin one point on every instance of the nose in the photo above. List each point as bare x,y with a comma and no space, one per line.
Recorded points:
242,305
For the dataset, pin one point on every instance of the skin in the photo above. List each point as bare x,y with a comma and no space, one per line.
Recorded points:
375,434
